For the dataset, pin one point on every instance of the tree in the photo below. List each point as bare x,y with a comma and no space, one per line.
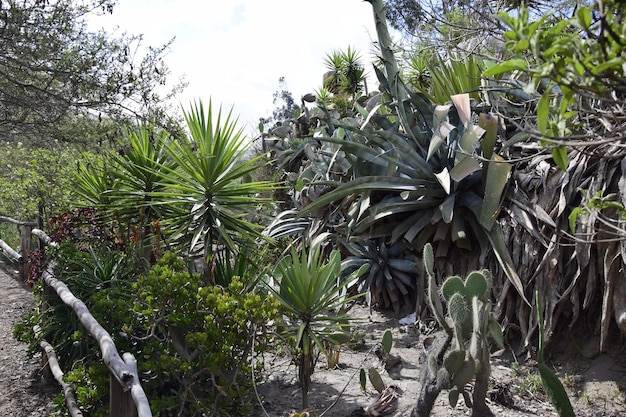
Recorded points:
460,26
286,107
53,68
404,15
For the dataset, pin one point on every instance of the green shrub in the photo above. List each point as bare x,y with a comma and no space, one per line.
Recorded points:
200,342
195,345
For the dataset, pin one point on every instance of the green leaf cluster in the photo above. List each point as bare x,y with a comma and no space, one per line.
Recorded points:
346,74
33,176
197,344
194,190
313,300
571,64
199,341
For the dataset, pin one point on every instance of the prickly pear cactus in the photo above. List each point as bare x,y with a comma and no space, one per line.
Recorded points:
469,322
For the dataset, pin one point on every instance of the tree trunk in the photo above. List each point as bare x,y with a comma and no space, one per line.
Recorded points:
429,386
479,406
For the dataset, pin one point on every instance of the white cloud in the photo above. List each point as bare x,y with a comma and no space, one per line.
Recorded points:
235,52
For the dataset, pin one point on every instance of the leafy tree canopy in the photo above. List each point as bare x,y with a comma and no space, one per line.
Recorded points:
53,69
461,25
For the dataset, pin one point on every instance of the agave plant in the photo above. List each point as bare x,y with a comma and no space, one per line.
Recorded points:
442,183
420,173
390,280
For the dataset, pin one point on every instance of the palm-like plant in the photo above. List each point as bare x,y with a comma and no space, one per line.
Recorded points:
313,298
346,73
122,187
210,185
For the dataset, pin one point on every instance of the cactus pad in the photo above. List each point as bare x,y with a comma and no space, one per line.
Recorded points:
476,285
457,308
451,286
465,374
454,360
429,259
453,397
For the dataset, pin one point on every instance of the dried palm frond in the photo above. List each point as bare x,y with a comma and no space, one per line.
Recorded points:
386,402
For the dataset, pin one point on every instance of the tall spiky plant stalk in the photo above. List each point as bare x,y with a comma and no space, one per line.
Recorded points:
389,61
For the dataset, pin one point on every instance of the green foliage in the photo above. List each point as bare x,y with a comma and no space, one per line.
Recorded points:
91,384
36,175
102,278
551,383
208,185
440,79
185,191
596,203
122,185
197,343
55,71
470,325
199,340
313,298
572,65
346,73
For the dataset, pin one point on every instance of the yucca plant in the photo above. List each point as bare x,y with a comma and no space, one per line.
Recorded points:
122,186
346,73
209,185
93,182
313,299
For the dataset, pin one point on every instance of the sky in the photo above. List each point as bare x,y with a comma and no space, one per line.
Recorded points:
233,52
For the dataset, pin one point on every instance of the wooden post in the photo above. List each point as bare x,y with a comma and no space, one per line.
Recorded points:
41,245
121,402
25,240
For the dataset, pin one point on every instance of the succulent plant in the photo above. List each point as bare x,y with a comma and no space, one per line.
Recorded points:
468,324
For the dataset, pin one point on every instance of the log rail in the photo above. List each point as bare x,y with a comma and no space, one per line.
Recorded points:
21,255
126,395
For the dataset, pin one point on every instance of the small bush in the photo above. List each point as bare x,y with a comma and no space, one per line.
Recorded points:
199,342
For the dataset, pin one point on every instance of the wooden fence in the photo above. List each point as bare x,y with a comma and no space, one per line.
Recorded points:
21,255
126,395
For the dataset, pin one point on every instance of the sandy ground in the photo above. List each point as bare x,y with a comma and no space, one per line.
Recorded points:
595,382
23,393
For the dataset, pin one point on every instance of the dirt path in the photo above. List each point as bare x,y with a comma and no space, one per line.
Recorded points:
22,393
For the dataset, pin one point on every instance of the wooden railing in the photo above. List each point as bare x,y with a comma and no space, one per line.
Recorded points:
126,395
21,255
